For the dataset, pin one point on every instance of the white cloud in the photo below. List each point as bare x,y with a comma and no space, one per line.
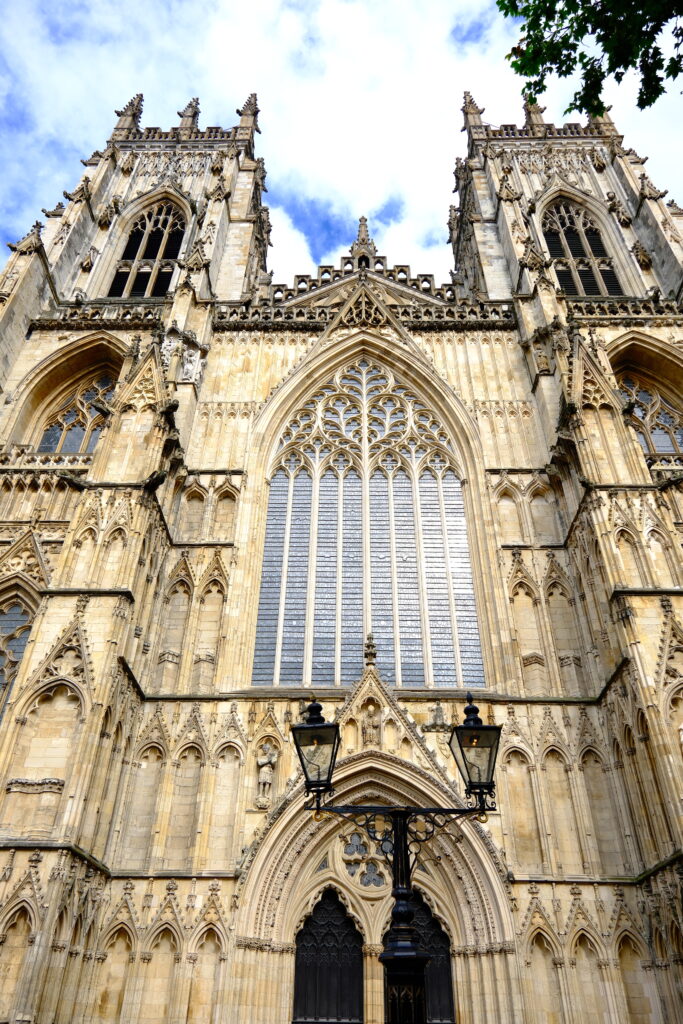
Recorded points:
360,102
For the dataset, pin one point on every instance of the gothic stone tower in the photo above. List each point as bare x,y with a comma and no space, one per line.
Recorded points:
212,488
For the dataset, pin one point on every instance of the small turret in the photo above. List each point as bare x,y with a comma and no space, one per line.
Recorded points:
128,117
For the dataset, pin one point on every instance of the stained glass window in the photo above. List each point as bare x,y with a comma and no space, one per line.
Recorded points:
150,255
15,625
581,262
77,425
366,532
656,420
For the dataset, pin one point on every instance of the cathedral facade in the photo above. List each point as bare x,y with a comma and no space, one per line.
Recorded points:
214,489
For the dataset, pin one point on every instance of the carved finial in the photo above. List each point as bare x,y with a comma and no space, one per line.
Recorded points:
249,113
30,242
250,107
364,245
648,190
188,116
129,116
370,651
471,111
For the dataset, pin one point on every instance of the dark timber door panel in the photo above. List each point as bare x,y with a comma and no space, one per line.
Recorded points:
328,978
439,973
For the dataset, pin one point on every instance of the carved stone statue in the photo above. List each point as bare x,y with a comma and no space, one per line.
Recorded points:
438,721
370,726
266,761
191,361
167,349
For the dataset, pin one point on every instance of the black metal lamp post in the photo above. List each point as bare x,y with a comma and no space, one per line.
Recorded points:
399,832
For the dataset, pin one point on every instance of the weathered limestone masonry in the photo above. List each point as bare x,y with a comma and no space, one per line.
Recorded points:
213,488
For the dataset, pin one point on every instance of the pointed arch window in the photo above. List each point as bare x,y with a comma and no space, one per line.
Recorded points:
150,254
77,425
366,532
580,259
657,421
15,625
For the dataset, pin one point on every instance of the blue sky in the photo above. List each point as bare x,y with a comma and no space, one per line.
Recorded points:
360,107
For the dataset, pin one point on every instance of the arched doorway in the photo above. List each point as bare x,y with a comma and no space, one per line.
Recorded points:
328,975
439,974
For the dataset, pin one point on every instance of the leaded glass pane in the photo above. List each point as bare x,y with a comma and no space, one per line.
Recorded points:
325,627
380,568
657,421
438,598
271,576
78,424
410,624
294,620
50,438
352,582
14,633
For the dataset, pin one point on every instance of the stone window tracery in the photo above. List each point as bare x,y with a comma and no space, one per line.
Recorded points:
580,259
656,421
150,255
366,532
76,427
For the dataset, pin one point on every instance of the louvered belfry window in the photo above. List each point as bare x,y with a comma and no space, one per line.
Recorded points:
150,255
366,532
581,262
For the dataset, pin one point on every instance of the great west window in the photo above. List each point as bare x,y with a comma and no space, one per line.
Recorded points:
366,532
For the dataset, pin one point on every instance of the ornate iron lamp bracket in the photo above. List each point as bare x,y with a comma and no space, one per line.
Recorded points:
411,826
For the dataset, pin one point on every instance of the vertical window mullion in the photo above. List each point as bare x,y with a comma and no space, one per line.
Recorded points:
295,607
136,261
407,581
